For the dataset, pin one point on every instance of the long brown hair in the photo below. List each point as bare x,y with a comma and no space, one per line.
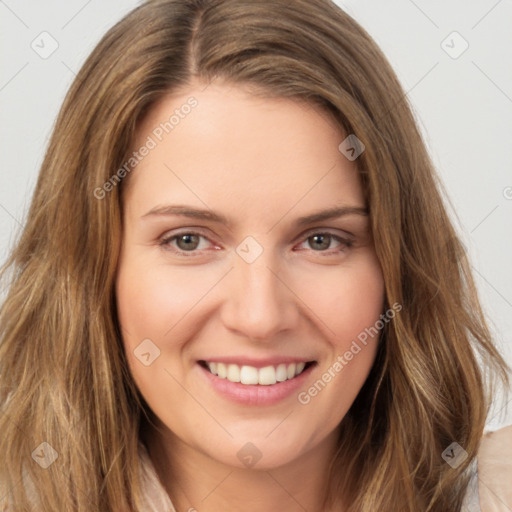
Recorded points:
63,375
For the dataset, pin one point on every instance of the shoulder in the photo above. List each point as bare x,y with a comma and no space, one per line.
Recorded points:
495,471
155,497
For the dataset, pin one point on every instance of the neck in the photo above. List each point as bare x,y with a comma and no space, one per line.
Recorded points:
196,482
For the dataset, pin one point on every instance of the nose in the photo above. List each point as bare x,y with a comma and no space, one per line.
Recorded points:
259,302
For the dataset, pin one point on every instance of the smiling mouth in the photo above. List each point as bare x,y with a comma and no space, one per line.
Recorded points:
250,375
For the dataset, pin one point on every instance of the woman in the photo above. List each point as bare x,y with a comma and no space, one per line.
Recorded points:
238,286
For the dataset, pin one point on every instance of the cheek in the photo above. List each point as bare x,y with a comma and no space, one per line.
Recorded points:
152,304
151,300
346,300
349,304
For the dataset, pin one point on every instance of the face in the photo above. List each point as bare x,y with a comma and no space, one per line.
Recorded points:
224,269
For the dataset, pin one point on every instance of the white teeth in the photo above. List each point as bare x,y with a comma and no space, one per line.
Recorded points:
213,368
265,376
281,373
300,367
221,370
233,373
249,375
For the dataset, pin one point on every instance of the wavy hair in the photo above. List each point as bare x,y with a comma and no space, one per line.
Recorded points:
64,379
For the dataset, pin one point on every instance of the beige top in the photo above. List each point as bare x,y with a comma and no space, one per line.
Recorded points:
490,489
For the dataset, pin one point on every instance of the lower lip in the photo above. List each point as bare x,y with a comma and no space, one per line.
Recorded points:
256,394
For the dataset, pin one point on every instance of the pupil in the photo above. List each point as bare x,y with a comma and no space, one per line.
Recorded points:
325,238
185,239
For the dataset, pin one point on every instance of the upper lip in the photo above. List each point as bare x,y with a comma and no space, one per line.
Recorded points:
257,362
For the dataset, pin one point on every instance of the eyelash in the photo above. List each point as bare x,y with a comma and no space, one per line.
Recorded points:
166,240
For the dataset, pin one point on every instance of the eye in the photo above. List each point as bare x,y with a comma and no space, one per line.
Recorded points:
188,243
320,241
185,242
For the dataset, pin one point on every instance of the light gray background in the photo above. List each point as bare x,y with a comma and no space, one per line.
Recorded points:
463,105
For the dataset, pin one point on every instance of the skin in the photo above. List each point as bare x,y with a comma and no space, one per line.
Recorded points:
262,163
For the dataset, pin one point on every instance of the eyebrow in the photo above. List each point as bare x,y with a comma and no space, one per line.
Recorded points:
197,213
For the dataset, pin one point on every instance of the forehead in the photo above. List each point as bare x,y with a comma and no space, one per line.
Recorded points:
220,144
